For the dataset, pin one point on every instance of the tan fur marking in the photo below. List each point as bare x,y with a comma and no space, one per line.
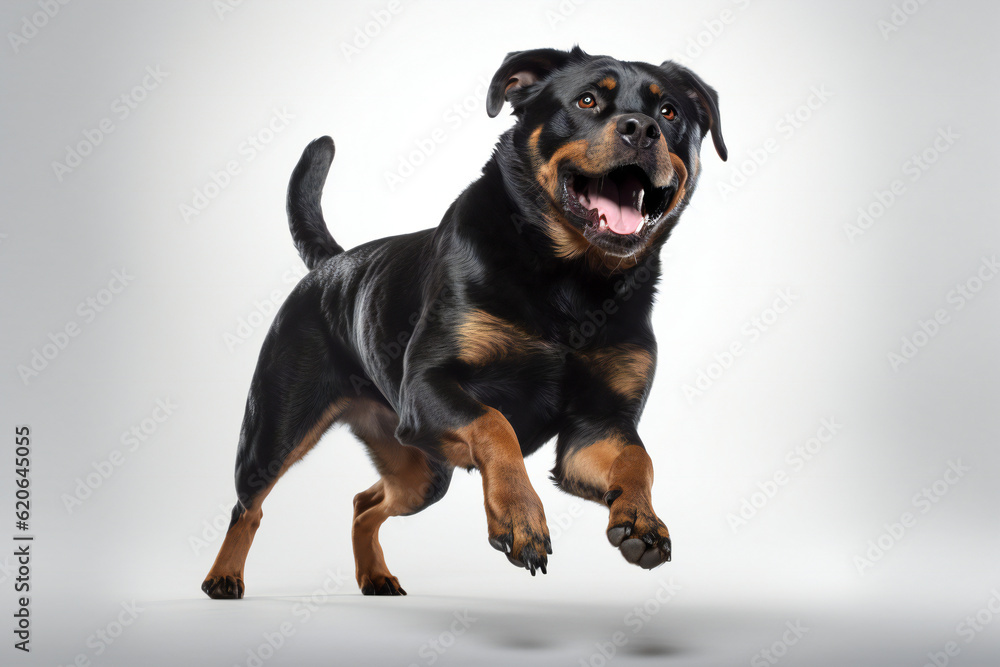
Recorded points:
568,241
625,368
232,556
590,467
311,438
406,479
612,463
490,443
655,89
682,175
632,470
574,152
405,484
458,454
484,338
607,82
533,141
586,156
617,471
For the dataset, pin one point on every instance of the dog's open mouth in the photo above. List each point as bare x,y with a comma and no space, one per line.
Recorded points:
623,201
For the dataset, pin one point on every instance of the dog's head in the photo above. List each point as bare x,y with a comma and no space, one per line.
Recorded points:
607,150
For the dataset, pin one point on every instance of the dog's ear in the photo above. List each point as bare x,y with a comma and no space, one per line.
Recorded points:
707,100
521,69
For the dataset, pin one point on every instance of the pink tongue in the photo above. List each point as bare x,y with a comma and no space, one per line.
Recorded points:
617,203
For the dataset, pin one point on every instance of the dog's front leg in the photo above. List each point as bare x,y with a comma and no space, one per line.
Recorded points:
438,416
615,469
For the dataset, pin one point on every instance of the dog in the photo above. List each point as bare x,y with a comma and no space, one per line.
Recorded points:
522,317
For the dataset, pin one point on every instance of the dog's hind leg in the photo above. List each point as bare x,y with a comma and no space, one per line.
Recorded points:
290,405
411,481
266,452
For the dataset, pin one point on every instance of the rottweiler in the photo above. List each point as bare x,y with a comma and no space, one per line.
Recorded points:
523,316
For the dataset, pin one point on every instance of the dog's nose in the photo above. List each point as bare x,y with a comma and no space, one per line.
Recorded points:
638,130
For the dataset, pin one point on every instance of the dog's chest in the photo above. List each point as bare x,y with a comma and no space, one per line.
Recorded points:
495,350
514,370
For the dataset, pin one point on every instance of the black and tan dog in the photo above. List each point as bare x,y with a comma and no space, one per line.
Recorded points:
525,315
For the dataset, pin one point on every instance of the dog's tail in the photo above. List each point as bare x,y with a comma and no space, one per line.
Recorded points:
305,214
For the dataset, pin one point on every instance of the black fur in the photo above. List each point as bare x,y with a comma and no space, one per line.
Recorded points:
305,215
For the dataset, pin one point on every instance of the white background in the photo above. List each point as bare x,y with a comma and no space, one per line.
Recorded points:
144,533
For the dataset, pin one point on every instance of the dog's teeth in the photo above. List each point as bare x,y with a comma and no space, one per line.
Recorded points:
603,222
642,195
642,223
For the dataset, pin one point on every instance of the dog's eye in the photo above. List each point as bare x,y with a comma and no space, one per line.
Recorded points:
668,112
587,101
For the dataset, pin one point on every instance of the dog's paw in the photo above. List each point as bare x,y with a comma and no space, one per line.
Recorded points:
522,535
377,584
637,532
229,587
528,550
